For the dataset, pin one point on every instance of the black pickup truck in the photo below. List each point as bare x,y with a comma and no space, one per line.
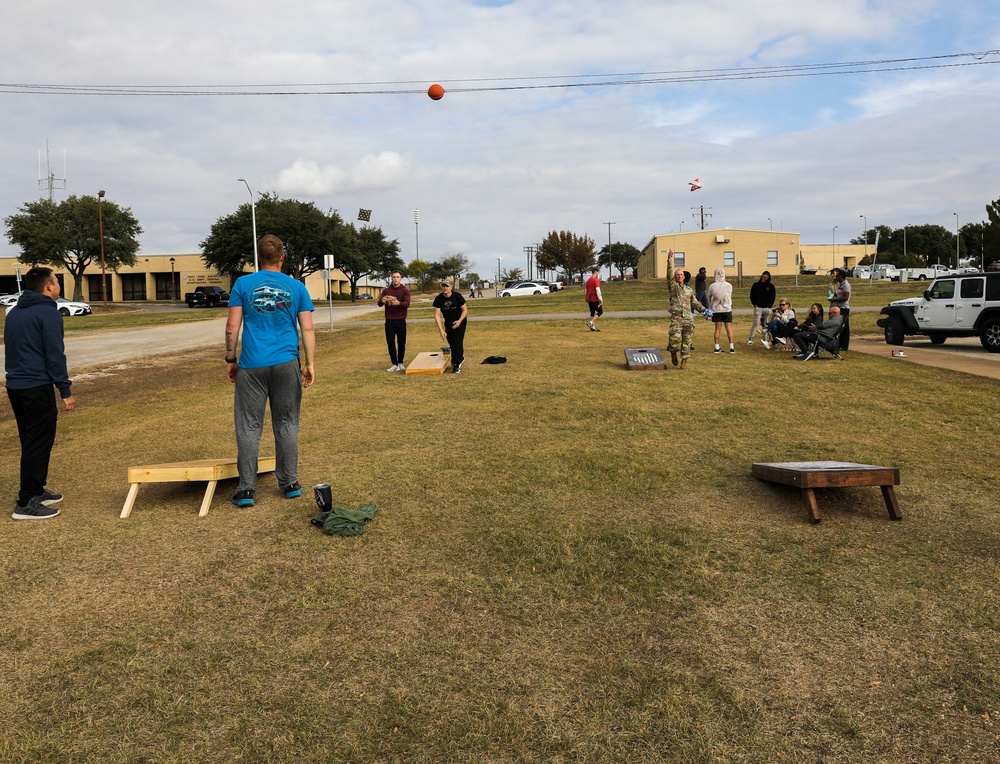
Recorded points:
207,297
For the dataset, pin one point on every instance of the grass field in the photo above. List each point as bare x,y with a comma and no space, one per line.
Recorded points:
570,563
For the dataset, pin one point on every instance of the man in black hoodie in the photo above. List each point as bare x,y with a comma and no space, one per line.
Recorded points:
35,359
762,298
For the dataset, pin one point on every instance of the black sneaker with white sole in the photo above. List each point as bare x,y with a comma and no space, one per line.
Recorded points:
33,510
48,498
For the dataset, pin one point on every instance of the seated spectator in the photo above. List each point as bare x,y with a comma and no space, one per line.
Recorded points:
824,334
813,317
782,323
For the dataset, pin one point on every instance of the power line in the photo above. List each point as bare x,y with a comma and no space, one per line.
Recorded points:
473,85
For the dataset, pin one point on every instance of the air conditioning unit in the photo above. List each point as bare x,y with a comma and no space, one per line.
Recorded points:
721,239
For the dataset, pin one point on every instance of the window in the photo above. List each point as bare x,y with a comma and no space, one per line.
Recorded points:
679,259
133,286
163,287
943,290
772,257
972,288
94,292
993,287
729,258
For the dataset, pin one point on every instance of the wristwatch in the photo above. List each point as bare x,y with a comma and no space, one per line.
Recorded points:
231,360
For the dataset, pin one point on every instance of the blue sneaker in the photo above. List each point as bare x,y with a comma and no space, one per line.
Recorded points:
243,498
293,491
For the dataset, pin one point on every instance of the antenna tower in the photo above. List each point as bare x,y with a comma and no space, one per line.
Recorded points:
50,181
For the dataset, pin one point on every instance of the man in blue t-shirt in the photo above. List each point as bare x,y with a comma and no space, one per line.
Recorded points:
272,307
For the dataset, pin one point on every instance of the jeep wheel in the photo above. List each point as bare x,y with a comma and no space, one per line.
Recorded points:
894,331
989,335
937,339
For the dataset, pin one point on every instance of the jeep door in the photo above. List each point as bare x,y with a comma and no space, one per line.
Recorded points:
938,310
971,294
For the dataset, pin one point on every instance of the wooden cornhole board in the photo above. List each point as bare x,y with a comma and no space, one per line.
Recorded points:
811,475
210,470
644,359
428,363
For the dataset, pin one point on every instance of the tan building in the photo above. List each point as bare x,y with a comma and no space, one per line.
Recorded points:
822,257
164,278
741,251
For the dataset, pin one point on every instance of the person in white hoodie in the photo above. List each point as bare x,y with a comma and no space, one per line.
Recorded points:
720,300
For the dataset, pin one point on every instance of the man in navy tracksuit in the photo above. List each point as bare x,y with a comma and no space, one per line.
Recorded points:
35,359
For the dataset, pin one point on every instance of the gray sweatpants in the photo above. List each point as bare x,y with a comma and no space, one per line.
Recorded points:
282,386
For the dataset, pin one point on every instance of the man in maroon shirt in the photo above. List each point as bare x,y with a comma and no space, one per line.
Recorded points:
395,298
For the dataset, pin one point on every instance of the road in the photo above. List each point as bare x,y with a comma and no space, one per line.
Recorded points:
98,348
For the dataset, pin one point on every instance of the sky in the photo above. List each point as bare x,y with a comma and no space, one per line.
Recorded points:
558,115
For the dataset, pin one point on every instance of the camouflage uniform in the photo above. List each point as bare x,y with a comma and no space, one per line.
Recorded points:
683,305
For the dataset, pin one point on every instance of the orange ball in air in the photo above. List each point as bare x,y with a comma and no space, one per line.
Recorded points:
436,92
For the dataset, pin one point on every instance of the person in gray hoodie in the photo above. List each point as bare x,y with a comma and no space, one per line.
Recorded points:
35,360
720,300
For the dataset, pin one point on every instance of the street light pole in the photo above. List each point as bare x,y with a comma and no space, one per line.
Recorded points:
253,222
958,241
866,233
100,228
835,245
173,289
416,231
497,285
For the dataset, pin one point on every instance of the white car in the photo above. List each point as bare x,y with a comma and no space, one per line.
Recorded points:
66,307
525,287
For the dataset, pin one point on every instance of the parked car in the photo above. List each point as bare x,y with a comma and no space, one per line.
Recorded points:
994,266
555,286
525,287
362,296
886,272
70,308
861,272
8,299
207,297
966,305
66,307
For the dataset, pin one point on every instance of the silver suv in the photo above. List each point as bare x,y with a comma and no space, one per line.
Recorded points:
966,305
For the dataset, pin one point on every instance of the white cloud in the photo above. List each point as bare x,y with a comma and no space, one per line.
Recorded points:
370,173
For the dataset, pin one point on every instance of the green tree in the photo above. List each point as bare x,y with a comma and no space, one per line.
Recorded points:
623,257
420,272
306,231
454,266
973,237
367,252
562,249
991,234
68,235
511,274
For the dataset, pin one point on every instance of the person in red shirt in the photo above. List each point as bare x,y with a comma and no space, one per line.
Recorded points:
594,299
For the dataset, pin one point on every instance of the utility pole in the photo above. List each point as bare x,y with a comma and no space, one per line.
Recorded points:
699,212
530,253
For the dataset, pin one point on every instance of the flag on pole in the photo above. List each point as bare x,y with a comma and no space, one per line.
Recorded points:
695,184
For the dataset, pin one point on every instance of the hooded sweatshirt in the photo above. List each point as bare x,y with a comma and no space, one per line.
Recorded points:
34,352
720,294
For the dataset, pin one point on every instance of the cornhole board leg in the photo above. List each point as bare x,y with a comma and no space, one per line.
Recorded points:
208,470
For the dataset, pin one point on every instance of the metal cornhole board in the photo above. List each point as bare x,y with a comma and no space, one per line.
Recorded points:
644,359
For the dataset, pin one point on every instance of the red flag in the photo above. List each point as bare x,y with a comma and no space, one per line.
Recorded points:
695,184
